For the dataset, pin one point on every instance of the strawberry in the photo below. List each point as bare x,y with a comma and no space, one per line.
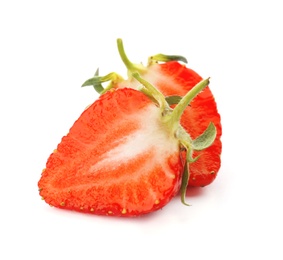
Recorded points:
124,154
174,79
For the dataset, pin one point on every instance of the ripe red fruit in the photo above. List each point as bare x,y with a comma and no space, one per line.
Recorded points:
123,156
174,80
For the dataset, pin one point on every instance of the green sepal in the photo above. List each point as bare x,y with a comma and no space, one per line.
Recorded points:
99,88
190,158
132,67
97,72
151,92
184,184
97,80
173,100
205,139
145,91
165,58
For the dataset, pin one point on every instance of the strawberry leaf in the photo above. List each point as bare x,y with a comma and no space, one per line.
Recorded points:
173,100
175,116
99,88
185,180
205,139
165,58
96,81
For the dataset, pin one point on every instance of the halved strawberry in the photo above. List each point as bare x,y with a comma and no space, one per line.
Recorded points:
123,156
174,79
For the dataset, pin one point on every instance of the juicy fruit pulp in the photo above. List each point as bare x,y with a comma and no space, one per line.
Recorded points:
123,155
131,151
175,80
122,166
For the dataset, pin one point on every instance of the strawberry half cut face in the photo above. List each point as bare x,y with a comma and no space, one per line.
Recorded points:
116,159
171,77
175,79
124,155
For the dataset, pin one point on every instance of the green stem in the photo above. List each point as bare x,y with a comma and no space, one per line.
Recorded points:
129,65
127,62
175,117
184,184
155,93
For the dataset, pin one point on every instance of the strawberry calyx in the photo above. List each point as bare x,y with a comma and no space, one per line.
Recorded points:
97,81
165,58
173,100
132,67
184,184
171,120
170,117
115,78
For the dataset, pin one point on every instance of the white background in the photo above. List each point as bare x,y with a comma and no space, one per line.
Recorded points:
49,48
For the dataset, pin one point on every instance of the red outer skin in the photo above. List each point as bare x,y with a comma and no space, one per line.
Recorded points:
173,78
67,182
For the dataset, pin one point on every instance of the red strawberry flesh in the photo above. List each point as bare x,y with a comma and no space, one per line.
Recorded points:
116,159
177,79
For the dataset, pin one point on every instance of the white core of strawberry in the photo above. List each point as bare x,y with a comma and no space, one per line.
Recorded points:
170,118
148,137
